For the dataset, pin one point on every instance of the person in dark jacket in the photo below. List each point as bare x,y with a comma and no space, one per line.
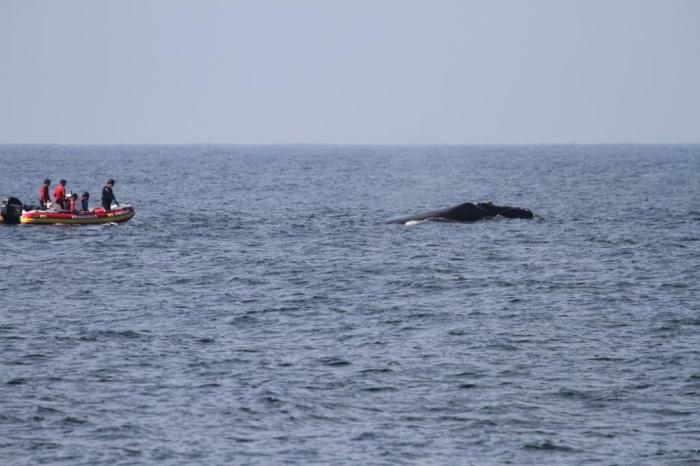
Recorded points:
84,201
44,197
108,195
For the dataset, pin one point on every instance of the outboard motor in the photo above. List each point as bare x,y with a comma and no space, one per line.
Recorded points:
10,210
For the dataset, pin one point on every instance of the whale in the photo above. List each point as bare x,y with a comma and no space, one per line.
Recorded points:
467,212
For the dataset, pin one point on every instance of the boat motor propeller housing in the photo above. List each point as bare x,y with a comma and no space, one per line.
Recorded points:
10,210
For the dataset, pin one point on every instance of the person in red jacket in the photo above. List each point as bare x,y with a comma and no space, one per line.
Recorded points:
60,195
44,198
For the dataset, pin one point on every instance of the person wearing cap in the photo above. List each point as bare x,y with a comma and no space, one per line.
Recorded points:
60,194
44,198
108,195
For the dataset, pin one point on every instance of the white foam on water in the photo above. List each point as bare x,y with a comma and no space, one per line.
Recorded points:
414,222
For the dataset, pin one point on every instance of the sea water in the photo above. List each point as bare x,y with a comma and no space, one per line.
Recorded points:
258,310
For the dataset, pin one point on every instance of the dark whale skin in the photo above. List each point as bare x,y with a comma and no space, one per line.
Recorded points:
468,212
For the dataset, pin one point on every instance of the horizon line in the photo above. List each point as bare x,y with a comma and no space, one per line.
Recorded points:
457,144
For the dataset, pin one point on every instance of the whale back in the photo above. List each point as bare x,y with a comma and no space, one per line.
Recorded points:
439,213
467,212
516,212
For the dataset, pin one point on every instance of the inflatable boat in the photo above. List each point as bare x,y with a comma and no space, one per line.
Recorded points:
99,215
12,211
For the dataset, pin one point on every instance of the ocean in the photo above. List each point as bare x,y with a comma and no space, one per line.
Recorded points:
258,310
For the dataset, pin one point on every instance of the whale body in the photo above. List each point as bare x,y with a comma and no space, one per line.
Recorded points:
467,212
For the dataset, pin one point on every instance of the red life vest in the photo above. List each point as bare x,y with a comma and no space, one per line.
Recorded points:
60,194
44,194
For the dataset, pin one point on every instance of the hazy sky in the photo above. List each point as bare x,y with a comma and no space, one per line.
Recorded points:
354,71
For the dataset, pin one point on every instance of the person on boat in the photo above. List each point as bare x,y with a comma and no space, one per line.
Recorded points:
75,205
44,198
84,201
108,195
60,195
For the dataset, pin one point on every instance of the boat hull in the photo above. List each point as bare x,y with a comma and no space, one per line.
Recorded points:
96,216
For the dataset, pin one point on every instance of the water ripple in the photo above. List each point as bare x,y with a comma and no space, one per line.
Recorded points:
277,319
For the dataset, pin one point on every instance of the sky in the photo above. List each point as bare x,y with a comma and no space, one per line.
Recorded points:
349,72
